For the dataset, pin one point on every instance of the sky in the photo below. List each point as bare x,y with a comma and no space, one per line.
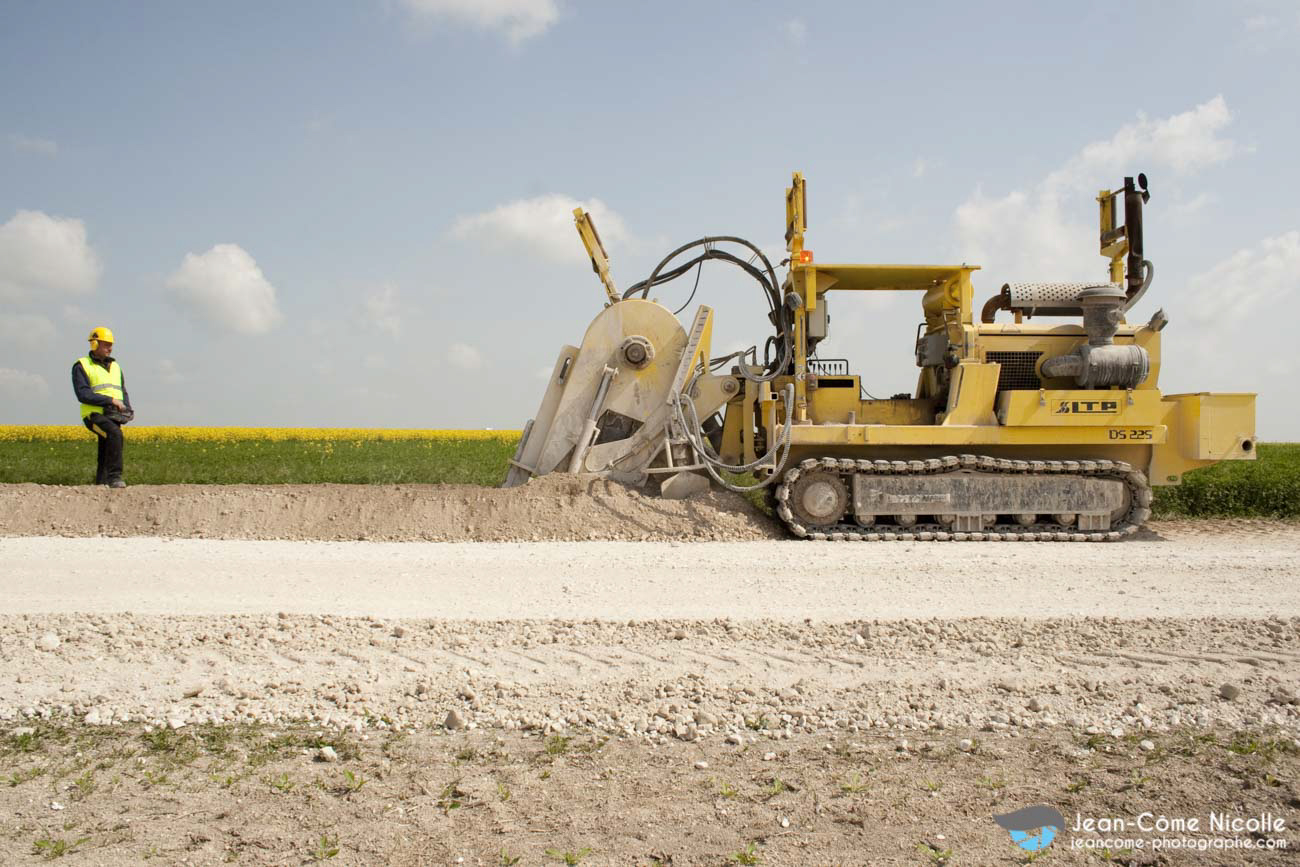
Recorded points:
358,214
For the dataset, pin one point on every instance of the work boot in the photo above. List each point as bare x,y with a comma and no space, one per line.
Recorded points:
116,483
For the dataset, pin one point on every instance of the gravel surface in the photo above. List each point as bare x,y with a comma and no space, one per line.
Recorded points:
1178,570
665,678
659,640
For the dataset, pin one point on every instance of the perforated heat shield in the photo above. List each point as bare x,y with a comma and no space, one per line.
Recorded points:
1025,296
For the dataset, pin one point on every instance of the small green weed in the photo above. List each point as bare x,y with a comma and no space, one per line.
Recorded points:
180,749
568,857
1245,744
216,740
326,847
934,854
226,781
508,860
351,783
17,778
503,791
557,745
450,798
51,849
281,784
85,784
27,742
1135,782
748,855
1095,741
153,779
853,784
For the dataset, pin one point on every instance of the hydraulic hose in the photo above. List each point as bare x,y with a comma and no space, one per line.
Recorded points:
1149,273
712,463
766,277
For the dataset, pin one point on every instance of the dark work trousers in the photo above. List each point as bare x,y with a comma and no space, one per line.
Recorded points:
108,461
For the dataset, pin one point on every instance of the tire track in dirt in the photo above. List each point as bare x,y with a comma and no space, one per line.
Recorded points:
616,676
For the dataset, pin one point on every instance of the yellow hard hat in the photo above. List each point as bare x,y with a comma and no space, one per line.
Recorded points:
100,334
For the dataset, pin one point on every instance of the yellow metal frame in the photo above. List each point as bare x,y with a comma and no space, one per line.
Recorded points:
1164,435
596,250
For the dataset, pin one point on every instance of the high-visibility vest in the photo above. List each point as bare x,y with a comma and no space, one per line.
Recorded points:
105,382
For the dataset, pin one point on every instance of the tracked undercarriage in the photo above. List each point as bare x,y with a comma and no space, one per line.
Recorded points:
963,498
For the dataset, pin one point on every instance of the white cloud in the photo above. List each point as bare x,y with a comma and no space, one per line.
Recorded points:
27,330
464,356
919,167
20,384
1049,230
380,310
39,252
797,30
1185,142
543,225
1184,210
225,286
517,20
1229,332
33,145
1235,289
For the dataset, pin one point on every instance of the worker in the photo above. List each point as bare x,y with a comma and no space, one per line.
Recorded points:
105,405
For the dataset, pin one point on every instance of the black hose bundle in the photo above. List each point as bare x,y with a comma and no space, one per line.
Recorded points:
779,314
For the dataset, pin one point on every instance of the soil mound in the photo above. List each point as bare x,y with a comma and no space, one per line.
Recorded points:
552,508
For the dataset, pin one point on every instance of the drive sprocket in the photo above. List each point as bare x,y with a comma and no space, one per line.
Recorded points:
819,498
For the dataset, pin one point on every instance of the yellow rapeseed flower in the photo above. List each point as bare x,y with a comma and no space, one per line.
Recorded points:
146,434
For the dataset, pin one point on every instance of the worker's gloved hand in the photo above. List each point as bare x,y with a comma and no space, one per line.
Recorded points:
120,416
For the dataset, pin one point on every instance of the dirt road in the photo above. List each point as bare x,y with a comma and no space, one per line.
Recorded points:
742,700
597,635
1190,569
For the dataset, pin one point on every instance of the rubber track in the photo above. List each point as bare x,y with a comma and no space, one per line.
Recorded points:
1139,490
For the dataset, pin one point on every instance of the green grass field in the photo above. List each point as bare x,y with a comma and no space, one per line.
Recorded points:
1268,487
362,462
1265,488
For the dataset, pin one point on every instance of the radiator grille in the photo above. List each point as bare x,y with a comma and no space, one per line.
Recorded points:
1018,373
